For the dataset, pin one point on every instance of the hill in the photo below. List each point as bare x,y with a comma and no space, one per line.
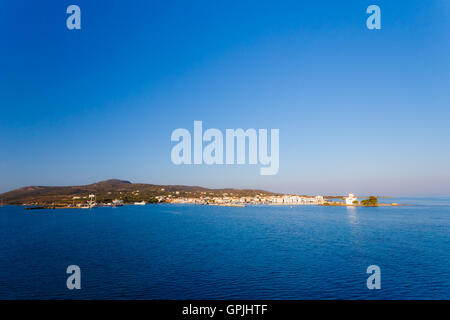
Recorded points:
108,190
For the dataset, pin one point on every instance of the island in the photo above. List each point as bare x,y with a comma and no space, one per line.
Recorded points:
115,192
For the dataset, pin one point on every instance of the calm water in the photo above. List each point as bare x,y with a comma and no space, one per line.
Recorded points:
201,252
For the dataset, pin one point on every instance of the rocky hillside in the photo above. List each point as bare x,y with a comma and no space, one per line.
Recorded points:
108,190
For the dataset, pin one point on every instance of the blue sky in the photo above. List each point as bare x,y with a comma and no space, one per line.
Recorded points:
363,111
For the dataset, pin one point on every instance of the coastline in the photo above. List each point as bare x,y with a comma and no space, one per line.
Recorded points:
27,207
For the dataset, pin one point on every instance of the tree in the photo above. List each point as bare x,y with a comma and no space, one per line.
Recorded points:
371,202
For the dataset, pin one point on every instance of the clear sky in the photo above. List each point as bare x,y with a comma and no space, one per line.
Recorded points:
363,111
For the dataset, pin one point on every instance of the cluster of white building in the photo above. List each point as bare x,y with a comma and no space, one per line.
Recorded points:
351,199
294,199
276,200
235,200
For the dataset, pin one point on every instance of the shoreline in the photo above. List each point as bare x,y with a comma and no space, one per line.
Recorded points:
26,207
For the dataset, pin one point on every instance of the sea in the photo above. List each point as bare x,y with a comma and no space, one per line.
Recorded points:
177,251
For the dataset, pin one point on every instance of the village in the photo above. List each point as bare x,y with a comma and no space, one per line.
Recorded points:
225,199
289,200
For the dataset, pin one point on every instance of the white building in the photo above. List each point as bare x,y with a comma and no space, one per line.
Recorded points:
349,200
320,199
117,202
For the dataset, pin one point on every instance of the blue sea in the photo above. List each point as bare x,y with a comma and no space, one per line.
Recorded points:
210,252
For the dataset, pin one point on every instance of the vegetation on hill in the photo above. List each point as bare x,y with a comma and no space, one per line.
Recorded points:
108,190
